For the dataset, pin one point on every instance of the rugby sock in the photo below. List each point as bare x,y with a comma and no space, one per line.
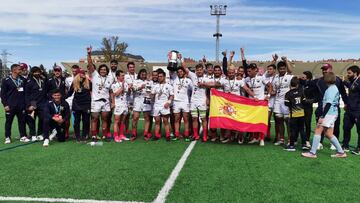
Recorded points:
149,134
196,133
336,143
262,136
186,133
315,144
122,127
167,134
134,134
104,132
177,134
205,134
157,135
145,134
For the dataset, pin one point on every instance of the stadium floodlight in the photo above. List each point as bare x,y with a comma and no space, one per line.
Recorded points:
217,10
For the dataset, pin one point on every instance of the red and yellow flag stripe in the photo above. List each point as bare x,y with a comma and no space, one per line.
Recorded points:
239,113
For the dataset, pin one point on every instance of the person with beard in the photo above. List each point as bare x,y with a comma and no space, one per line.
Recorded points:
112,73
56,113
154,78
100,97
142,103
130,78
181,106
282,85
35,100
80,90
13,100
352,110
56,82
319,86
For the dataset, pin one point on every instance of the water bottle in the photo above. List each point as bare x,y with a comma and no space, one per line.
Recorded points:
96,144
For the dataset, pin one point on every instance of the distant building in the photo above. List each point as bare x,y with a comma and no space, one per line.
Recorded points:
98,57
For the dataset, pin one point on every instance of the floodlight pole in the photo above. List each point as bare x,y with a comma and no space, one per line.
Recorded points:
217,10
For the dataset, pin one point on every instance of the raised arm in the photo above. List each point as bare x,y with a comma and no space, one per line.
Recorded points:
274,59
243,60
91,66
289,66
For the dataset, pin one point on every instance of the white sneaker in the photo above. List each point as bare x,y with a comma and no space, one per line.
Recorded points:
280,142
320,146
24,139
253,141
33,139
262,143
308,145
240,141
40,138
52,135
46,143
332,147
7,140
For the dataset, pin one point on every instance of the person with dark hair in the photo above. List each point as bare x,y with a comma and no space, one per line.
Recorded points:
305,82
142,103
270,78
154,78
80,90
319,87
257,84
56,82
100,103
327,119
181,105
282,85
119,104
13,100
163,94
35,99
56,113
294,99
130,78
24,70
209,70
352,109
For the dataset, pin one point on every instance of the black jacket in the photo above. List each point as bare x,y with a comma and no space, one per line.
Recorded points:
52,84
35,95
50,109
82,99
353,104
13,92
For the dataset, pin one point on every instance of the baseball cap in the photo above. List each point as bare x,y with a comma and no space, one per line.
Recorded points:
78,71
57,68
326,66
24,66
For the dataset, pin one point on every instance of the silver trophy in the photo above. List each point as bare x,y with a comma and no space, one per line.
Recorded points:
173,59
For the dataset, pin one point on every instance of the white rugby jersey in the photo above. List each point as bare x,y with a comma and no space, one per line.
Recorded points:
162,93
232,86
120,99
257,84
181,87
282,85
130,79
198,93
100,86
113,76
146,91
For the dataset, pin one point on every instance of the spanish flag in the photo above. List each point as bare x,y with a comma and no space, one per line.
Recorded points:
229,111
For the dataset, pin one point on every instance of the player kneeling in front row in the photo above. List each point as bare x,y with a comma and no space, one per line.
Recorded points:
163,94
327,120
119,103
56,113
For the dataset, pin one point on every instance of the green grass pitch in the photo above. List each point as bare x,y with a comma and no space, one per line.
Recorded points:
137,171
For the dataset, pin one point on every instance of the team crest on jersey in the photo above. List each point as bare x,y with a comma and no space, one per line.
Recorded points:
228,109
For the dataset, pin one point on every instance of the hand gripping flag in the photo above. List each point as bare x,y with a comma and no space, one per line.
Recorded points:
229,111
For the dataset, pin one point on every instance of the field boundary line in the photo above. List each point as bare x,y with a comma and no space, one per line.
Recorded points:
163,193
36,199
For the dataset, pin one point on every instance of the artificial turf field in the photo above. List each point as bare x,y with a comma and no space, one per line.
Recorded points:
213,172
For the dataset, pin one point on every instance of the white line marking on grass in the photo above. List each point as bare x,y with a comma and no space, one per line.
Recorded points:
34,199
174,174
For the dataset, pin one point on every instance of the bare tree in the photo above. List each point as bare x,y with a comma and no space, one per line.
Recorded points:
113,49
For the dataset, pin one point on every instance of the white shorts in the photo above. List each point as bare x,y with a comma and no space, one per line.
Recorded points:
120,110
160,111
280,109
329,121
100,106
271,103
198,110
180,106
140,106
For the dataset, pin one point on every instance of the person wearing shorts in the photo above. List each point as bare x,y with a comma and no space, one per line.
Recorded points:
327,120
163,94
119,104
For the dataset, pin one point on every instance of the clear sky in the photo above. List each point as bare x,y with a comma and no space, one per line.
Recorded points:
38,31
